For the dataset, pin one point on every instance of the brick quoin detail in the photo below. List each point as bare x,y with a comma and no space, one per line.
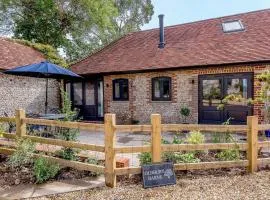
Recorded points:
184,93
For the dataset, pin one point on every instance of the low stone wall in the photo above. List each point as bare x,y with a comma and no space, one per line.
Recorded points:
27,93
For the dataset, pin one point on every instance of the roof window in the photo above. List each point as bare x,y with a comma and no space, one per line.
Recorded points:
232,26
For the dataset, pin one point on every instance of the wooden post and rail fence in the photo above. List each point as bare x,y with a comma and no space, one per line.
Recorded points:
156,128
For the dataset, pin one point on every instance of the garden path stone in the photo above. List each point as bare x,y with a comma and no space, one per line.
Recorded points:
51,188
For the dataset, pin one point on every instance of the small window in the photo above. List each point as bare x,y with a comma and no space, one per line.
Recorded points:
232,26
120,89
161,89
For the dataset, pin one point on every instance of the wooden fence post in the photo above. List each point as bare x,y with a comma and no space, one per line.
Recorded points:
20,126
110,161
252,139
156,137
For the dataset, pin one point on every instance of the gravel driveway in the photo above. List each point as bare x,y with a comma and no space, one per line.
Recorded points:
232,184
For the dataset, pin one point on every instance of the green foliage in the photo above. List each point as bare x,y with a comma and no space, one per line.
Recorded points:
176,140
223,137
45,170
185,112
145,158
93,161
195,137
2,130
48,51
78,27
186,158
24,153
234,98
68,134
67,153
229,154
67,106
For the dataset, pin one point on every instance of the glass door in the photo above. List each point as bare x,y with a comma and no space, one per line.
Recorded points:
210,97
214,88
93,108
240,86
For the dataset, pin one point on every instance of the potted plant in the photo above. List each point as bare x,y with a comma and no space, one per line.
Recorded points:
185,113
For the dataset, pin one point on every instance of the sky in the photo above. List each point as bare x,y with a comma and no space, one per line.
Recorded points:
183,11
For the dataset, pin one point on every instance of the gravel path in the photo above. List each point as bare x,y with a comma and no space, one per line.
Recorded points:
229,185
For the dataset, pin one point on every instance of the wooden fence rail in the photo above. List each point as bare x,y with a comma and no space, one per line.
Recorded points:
156,147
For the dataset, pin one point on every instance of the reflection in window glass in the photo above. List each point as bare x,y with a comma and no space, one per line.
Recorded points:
157,90
77,93
68,91
212,92
89,93
117,90
100,99
237,87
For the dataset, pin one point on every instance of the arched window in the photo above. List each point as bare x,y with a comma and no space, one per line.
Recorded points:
120,89
161,89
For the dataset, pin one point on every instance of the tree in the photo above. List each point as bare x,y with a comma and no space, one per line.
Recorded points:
77,26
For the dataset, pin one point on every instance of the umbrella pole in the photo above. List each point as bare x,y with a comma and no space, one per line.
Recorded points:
46,97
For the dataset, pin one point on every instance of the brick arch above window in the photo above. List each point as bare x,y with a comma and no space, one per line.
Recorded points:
161,88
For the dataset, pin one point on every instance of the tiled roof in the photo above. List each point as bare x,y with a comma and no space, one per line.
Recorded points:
13,54
193,44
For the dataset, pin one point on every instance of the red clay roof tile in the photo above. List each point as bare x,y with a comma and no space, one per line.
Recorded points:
193,44
13,54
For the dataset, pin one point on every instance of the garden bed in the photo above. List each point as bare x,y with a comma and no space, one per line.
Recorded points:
24,175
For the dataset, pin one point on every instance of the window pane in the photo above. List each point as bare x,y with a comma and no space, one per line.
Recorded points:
90,93
125,90
232,26
117,90
77,93
166,89
100,99
156,89
211,92
237,87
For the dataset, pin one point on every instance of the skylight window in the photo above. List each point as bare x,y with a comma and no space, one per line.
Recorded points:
232,26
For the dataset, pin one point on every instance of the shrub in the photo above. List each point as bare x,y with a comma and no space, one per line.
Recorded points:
23,154
67,153
45,170
93,161
145,158
186,158
185,112
195,137
67,133
2,130
229,154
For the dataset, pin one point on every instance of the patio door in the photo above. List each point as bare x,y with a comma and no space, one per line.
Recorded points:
213,88
93,108
87,97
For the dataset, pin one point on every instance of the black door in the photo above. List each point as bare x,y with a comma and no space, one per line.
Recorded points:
93,105
87,96
213,88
